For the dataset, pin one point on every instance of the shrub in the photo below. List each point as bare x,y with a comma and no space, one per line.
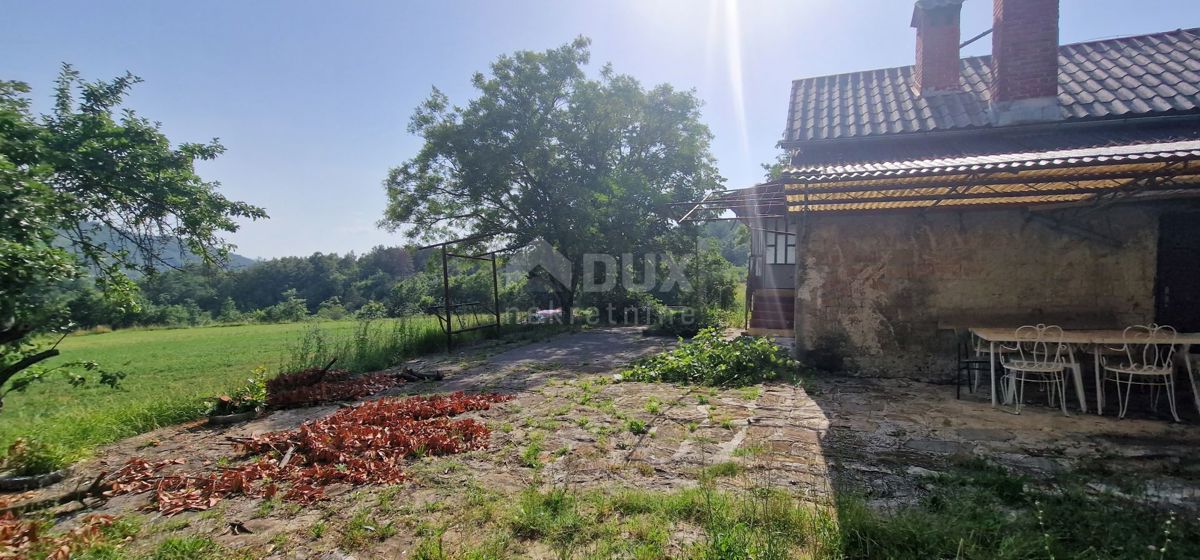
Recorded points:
293,308
332,309
620,306
372,310
686,322
229,312
710,359
248,397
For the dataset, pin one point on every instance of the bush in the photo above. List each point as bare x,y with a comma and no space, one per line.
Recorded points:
620,306
293,308
372,310
248,397
332,309
229,312
685,323
710,359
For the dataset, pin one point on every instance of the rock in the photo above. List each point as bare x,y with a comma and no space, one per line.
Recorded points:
940,446
985,434
1044,464
914,470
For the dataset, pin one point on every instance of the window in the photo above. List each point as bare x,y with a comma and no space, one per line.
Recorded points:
780,241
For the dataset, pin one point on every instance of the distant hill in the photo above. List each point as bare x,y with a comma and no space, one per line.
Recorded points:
172,253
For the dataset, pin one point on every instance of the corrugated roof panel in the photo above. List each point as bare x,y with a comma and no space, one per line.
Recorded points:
943,167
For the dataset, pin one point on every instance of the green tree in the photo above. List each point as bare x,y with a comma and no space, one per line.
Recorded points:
229,312
90,166
774,170
544,151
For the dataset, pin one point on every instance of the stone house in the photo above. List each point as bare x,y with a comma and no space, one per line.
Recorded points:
1042,183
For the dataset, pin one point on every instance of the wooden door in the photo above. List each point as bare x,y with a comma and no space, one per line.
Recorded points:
1177,285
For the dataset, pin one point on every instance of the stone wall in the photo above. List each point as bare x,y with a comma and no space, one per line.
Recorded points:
882,295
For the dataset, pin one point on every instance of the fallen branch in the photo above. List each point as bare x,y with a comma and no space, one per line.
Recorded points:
287,457
408,374
321,374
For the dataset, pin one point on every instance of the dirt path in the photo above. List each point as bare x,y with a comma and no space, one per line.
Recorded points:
572,426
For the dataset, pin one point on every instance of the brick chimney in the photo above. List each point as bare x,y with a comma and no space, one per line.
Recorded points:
937,24
1024,61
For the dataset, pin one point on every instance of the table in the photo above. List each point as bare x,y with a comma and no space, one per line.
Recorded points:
1090,338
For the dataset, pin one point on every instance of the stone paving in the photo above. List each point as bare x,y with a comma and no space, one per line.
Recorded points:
879,436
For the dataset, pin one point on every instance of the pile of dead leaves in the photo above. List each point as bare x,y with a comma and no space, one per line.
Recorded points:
178,492
27,538
365,444
316,385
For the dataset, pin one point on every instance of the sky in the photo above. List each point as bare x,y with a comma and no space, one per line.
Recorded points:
312,99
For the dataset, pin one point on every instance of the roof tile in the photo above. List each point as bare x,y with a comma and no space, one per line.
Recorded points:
1143,75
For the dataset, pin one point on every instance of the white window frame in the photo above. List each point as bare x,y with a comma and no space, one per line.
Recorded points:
779,248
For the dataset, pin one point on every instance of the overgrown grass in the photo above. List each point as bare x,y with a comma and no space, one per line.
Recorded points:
638,524
379,344
977,511
172,371
369,346
981,511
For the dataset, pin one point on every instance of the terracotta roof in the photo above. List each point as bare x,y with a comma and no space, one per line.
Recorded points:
1145,75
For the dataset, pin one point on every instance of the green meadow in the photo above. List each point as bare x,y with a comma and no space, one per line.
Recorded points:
170,373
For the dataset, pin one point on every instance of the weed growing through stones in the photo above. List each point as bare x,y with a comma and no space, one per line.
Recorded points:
751,393
317,530
362,529
186,548
750,450
653,406
726,469
430,547
531,455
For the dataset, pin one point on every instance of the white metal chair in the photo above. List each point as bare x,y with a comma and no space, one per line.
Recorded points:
1037,356
1147,358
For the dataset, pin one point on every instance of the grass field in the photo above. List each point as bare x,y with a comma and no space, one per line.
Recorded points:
171,372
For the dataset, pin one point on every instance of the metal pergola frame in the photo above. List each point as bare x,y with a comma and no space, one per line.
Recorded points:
1073,183
447,321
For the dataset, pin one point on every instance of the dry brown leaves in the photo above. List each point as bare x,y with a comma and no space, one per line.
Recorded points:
25,538
365,444
315,386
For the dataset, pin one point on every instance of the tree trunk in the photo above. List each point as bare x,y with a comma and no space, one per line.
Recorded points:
566,301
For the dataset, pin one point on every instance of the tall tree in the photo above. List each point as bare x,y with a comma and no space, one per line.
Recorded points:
92,165
544,151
